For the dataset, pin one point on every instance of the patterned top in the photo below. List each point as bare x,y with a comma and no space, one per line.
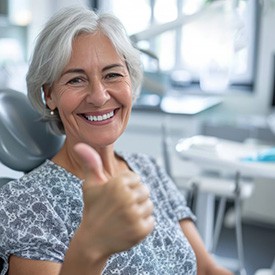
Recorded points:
40,212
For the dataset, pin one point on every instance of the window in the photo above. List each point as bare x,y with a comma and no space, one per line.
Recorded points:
194,38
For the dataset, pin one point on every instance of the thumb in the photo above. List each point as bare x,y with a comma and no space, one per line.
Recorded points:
91,163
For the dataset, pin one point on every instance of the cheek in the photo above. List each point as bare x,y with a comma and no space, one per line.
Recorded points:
66,100
67,105
128,95
64,106
126,98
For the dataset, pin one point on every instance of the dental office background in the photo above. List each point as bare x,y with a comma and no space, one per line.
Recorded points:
224,49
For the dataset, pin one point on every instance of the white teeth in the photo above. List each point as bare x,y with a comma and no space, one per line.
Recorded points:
100,118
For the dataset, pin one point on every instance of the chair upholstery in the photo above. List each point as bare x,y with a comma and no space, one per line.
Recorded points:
25,140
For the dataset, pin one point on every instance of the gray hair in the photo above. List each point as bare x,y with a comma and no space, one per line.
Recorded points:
53,51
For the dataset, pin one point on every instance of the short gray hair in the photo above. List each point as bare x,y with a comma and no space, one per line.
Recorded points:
53,51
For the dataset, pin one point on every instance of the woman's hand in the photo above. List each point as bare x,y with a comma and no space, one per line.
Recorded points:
117,213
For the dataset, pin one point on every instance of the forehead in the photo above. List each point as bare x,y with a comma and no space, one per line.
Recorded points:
95,46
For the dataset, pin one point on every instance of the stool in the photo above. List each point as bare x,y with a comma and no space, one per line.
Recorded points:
223,188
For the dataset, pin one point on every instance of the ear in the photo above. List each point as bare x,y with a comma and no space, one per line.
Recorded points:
48,97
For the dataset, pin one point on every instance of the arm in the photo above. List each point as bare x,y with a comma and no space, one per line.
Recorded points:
22,266
205,263
75,263
117,215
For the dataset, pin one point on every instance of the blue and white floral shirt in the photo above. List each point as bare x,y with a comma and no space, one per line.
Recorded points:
40,212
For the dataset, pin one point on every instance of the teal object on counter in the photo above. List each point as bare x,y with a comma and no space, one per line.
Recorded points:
264,156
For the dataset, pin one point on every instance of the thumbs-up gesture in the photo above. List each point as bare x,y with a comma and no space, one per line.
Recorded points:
117,213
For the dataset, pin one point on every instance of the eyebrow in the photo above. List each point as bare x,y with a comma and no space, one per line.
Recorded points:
79,70
111,67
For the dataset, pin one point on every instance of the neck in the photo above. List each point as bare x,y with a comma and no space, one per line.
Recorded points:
112,164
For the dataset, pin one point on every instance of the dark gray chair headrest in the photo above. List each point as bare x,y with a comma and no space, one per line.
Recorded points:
25,140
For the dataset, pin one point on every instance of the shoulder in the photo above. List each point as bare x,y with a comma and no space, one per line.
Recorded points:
44,178
27,184
44,194
22,196
33,212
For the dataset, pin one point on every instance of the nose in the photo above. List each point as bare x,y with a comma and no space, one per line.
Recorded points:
98,94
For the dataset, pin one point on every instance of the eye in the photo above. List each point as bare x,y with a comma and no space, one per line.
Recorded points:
113,76
75,81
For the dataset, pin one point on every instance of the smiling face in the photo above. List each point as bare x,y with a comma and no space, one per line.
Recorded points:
93,94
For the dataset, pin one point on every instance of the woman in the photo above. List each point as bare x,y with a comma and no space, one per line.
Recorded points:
90,210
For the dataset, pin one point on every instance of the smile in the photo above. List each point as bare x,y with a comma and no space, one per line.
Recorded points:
101,117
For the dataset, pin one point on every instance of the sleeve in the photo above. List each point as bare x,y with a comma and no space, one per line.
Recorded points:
175,199
29,226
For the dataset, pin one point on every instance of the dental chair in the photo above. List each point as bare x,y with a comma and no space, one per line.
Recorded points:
25,139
